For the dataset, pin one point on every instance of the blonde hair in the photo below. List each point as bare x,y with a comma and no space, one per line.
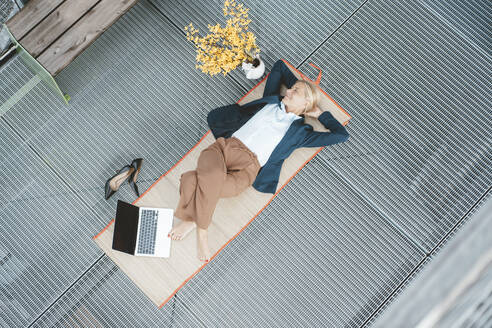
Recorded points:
311,94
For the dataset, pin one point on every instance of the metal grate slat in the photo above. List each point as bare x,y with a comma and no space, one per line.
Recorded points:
425,159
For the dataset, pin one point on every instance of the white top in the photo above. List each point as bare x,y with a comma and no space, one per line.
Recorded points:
262,133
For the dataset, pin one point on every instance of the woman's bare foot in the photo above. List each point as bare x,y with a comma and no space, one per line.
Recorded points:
181,230
202,243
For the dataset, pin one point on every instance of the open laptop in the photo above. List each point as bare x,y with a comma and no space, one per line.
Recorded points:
142,231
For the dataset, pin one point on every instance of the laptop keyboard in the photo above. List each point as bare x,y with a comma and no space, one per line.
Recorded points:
148,232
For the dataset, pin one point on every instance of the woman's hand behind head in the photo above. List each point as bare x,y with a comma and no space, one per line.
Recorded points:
314,113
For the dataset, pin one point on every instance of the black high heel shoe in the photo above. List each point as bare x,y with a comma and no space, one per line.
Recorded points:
114,183
132,180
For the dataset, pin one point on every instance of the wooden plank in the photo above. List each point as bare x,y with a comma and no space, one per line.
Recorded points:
82,34
161,278
39,38
30,15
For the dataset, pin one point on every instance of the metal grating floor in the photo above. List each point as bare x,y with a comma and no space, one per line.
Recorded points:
413,75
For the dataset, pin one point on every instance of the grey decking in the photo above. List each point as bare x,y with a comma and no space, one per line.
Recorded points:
433,286
338,241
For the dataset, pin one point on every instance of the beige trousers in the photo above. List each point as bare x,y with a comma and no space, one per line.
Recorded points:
225,169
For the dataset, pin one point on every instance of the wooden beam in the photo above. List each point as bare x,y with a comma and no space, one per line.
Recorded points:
82,34
53,26
30,15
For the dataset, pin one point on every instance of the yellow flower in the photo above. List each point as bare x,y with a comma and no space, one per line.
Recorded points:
224,48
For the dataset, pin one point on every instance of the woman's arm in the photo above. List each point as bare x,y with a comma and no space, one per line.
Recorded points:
279,74
338,133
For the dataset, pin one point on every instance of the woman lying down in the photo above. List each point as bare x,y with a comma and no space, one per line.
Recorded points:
252,141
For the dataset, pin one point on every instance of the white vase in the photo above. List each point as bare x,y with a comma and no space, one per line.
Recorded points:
253,73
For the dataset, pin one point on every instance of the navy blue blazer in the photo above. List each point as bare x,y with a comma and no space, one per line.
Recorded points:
225,120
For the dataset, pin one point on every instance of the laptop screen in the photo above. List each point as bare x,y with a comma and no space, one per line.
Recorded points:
125,227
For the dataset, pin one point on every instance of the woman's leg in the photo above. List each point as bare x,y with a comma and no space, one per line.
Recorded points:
200,189
224,169
239,180
199,193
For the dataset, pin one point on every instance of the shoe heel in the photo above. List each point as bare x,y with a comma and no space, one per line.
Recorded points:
137,165
132,179
115,182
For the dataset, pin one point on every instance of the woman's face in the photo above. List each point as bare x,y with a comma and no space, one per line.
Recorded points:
295,98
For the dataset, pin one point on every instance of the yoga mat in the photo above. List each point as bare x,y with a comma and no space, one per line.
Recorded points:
161,278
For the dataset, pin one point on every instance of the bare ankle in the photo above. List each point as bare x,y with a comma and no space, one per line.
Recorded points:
201,231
